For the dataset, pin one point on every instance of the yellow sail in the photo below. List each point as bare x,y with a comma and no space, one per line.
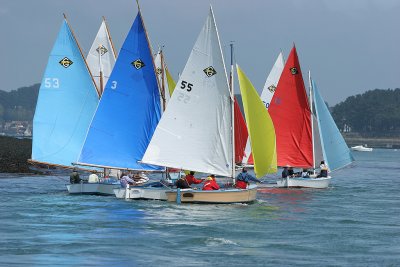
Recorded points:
260,127
170,81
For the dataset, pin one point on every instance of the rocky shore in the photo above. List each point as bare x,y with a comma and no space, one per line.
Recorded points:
14,154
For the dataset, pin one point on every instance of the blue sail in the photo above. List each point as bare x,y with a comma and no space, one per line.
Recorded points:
129,109
336,152
66,103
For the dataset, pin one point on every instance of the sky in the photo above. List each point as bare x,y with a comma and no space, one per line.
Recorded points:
350,46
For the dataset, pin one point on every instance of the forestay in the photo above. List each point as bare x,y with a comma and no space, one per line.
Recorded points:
101,57
129,109
66,103
195,132
336,152
260,127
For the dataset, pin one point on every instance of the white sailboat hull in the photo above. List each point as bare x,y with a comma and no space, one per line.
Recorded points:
142,193
322,182
361,148
225,196
93,188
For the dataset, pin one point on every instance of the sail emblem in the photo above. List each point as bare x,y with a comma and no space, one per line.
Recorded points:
294,70
66,62
158,71
272,88
138,64
102,50
210,71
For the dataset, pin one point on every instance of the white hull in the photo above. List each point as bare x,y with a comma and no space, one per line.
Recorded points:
322,182
225,196
92,188
361,148
142,193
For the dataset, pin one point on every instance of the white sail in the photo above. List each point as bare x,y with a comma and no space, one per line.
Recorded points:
162,79
101,57
266,95
195,132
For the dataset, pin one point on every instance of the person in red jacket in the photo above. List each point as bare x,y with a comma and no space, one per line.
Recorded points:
192,180
210,184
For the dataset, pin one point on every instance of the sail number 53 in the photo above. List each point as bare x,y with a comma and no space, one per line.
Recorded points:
186,85
51,83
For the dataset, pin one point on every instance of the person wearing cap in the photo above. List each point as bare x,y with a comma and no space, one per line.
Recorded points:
74,177
243,179
210,183
192,180
182,183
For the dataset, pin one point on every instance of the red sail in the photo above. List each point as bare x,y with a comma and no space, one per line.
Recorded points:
241,133
290,112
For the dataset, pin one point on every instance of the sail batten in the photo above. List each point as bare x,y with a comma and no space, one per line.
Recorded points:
195,131
66,103
129,109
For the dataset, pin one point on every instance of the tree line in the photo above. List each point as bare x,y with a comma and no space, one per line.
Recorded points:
375,112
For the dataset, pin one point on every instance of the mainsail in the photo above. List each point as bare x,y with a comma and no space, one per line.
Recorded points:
260,127
195,131
66,103
101,57
290,111
241,133
266,95
336,152
129,109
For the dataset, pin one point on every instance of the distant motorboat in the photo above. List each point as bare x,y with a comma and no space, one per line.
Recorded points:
362,148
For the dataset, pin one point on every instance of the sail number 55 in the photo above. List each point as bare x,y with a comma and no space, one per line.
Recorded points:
186,85
51,83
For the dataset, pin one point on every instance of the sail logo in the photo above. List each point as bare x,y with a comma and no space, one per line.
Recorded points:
158,71
66,62
272,88
210,71
294,70
138,64
101,50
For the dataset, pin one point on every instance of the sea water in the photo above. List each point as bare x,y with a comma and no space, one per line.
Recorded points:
355,222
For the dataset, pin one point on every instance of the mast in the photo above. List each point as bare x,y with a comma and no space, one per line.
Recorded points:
312,118
84,60
162,79
101,71
233,112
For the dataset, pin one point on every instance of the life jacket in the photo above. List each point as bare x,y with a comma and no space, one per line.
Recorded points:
241,184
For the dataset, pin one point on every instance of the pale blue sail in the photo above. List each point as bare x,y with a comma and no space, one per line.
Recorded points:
129,109
66,103
335,150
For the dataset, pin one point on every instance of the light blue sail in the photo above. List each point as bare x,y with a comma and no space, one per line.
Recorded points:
66,103
335,150
129,109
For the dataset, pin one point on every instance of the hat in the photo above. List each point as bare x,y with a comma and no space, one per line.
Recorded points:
212,175
209,178
192,172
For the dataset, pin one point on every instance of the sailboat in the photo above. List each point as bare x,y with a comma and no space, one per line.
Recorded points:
128,112
300,143
66,103
101,57
195,131
266,95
